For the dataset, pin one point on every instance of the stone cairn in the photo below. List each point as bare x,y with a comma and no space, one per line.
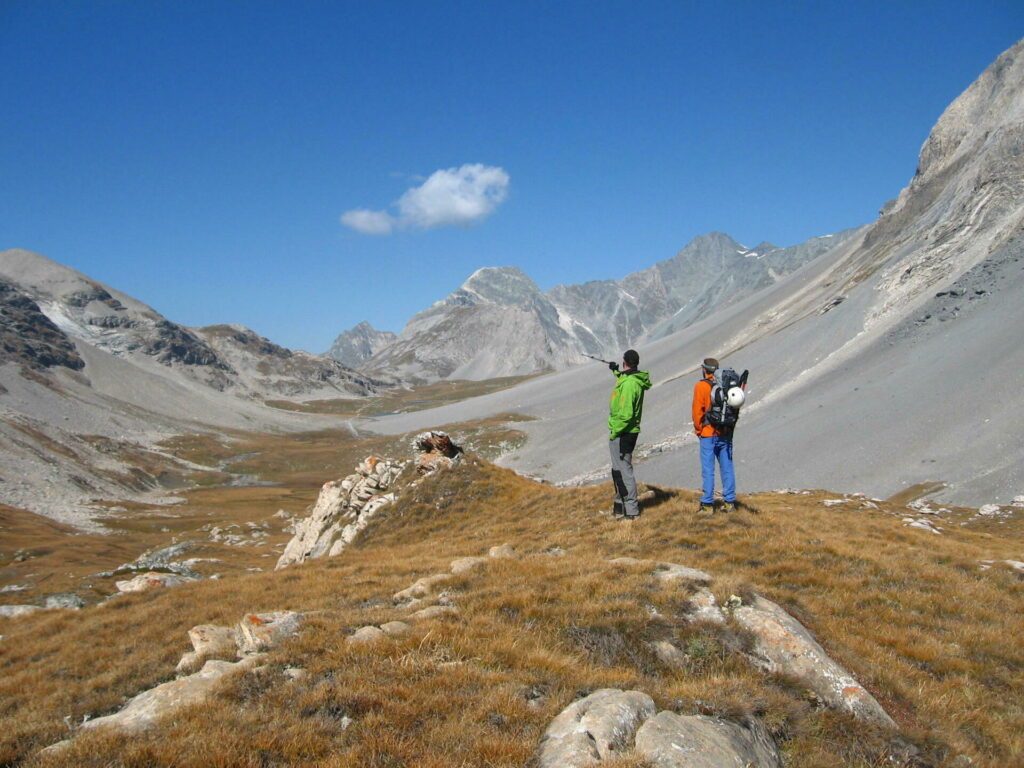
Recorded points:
346,507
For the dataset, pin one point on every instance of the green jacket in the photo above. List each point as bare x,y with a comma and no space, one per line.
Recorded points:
627,402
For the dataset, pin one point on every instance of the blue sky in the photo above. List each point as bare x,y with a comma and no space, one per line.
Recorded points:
199,156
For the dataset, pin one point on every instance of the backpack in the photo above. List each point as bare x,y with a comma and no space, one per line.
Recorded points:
721,415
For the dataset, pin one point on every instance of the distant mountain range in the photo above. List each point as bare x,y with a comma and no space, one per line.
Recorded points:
499,323
90,377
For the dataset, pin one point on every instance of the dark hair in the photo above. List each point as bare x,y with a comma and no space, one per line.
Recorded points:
631,358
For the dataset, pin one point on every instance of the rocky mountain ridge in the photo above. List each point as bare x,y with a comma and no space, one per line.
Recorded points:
91,379
358,344
500,323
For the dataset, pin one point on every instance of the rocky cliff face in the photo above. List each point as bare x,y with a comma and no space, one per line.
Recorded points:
358,344
499,323
28,337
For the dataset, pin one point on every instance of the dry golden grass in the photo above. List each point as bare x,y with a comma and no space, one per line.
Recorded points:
933,637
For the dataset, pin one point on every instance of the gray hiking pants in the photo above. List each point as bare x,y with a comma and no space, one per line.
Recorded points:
622,473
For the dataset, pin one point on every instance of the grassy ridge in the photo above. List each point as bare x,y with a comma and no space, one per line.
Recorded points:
910,613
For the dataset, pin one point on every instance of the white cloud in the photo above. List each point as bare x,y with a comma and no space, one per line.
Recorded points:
369,222
448,197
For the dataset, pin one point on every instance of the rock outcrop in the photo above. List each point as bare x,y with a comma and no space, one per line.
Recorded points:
345,507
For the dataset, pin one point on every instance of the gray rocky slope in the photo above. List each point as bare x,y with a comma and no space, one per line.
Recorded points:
891,360
90,379
499,322
358,344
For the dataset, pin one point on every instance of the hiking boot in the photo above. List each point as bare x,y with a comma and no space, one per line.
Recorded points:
729,506
630,517
617,511
706,510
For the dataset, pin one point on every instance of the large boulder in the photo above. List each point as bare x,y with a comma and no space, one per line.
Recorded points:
595,728
782,645
668,740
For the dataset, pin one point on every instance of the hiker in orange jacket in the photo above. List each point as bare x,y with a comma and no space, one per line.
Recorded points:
715,444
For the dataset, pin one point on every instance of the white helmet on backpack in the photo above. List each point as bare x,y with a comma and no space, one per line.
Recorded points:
735,397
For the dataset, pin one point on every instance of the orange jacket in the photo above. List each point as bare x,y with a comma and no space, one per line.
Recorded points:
701,405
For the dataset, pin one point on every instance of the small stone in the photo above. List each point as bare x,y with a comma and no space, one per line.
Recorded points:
263,631
422,587
13,611
466,564
366,635
436,612
395,628
152,580
68,600
294,673
668,654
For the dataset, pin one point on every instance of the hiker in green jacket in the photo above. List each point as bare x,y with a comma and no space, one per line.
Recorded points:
625,410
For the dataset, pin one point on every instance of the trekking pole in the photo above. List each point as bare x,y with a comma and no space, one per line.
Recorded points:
606,362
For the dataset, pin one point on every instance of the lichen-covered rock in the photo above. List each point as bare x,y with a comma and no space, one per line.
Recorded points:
152,580
259,632
598,727
668,740
782,645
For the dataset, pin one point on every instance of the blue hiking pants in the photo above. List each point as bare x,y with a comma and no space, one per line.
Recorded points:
720,448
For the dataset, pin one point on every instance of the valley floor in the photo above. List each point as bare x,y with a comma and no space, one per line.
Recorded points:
933,635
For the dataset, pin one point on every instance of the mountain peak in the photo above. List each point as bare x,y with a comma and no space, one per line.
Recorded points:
500,285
